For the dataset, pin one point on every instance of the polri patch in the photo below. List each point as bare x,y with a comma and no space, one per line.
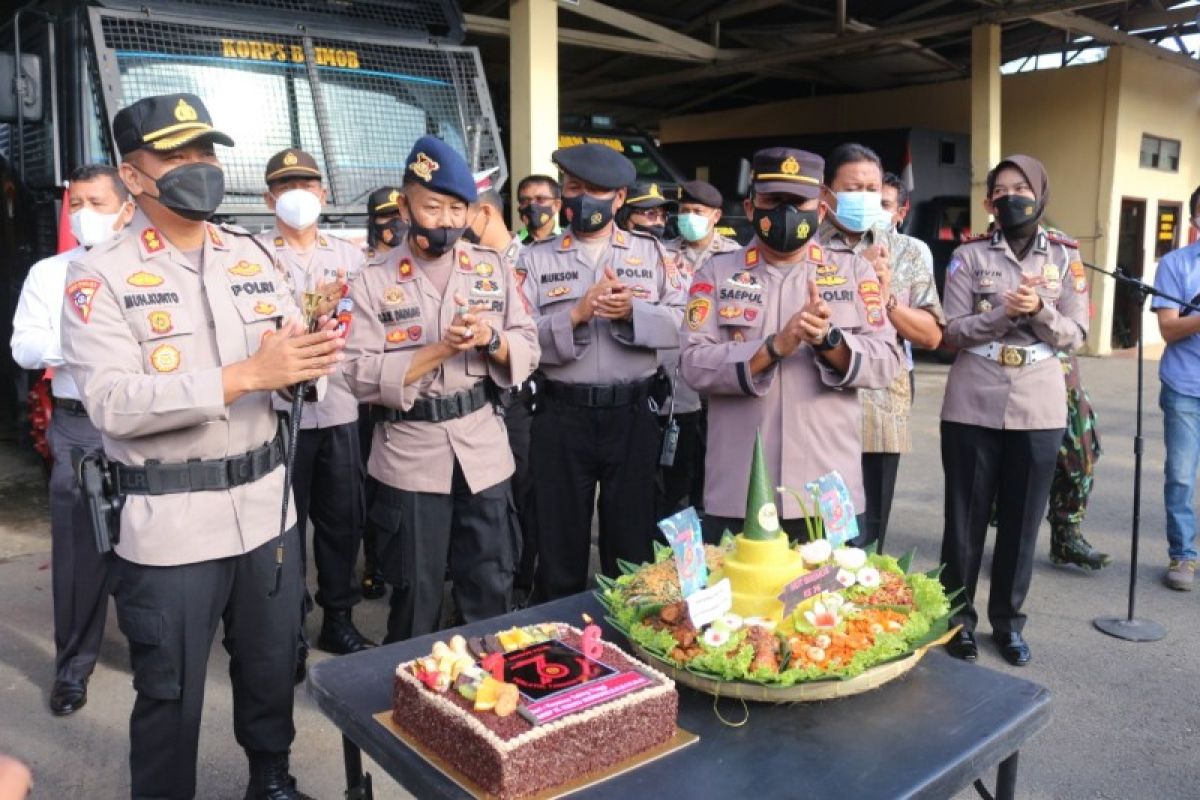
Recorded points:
697,312
81,293
165,358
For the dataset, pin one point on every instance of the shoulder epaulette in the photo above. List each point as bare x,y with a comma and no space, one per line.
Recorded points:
979,237
1058,237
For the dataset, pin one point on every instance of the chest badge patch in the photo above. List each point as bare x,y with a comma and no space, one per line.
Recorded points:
245,269
483,269
486,286
393,295
160,322
744,279
264,308
144,279
558,291
397,335
165,358
640,292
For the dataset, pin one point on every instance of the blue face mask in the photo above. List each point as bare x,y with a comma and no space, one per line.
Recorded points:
858,211
692,227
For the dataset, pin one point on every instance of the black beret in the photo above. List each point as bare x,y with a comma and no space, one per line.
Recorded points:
701,192
164,122
440,168
597,164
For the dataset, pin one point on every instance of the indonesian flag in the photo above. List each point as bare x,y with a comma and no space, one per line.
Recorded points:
66,239
906,174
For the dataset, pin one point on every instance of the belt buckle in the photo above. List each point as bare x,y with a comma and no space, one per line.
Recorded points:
1011,356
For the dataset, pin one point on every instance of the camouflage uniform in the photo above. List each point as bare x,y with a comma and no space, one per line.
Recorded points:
1073,475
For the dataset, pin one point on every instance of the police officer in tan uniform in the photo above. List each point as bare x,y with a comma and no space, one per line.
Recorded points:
780,333
1012,299
646,209
699,209
440,330
326,478
385,225
178,331
606,302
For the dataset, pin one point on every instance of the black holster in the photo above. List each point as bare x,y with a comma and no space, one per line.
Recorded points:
94,472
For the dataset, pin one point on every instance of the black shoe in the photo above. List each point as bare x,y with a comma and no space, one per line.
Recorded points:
338,634
1013,647
373,585
1069,547
67,697
301,664
270,780
963,645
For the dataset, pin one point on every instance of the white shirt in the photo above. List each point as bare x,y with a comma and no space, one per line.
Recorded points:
36,341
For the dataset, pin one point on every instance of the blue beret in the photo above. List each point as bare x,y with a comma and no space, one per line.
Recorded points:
440,168
597,164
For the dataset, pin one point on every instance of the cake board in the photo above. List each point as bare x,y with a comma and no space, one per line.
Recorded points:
680,740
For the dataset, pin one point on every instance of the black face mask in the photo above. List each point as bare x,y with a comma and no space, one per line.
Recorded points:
587,214
193,191
657,231
1014,212
389,233
784,228
440,240
536,216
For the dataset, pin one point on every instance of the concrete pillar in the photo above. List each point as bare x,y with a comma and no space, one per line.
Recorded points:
1102,291
533,101
985,116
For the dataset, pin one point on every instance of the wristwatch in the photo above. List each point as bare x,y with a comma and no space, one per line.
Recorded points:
833,338
769,344
493,344
891,303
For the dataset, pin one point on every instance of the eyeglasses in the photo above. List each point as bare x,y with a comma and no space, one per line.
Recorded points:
649,213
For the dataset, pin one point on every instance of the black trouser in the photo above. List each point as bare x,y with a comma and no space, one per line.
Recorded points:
712,528
420,533
170,615
79,575
518,418
879,484
1012,468
578,447
328,487
679,479
366,432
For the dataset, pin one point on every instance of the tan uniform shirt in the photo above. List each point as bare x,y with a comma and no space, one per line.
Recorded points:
398,311
600,352
982,391
687,399
306,272
806,410
885,411
147,334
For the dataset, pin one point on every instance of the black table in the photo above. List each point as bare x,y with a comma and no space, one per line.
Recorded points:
928,734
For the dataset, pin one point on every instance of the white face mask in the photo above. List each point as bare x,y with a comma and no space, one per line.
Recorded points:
91,228
299,208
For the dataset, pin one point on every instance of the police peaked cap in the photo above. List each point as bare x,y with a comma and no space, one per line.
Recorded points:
597,164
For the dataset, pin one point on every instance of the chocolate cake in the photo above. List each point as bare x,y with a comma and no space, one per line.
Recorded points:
511,756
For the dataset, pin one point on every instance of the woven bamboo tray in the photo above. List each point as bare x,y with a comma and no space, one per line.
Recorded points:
806,692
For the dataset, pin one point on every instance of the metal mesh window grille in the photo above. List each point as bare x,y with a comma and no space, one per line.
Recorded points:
259,87
416,16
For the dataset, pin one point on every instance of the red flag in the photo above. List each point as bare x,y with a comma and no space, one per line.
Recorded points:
66,239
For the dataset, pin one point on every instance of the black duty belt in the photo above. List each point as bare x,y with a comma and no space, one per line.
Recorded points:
70,406
590,396
198,475
438,409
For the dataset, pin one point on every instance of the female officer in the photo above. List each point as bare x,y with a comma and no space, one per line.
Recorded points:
1012,298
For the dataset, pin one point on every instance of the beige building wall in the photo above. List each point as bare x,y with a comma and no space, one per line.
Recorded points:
1085,123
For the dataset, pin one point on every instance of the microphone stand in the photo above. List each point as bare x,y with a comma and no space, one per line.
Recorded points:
1129,627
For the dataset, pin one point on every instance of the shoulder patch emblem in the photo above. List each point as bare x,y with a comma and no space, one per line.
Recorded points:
245,269
160,322
697,312
81,293
165,358
1079,282
144,279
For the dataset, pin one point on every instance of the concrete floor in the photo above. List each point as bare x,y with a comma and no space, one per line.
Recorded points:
1125,722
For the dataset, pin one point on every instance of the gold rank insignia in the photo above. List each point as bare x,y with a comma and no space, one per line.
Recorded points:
751,256
279,242
483,269
165,358
558,291
405,268
184,112
815,254
290,159
619,238
215,237
160,322
394,196
245,269
424,167
566,242
151,240
144,280
321,240
393,295
263,308
464,262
